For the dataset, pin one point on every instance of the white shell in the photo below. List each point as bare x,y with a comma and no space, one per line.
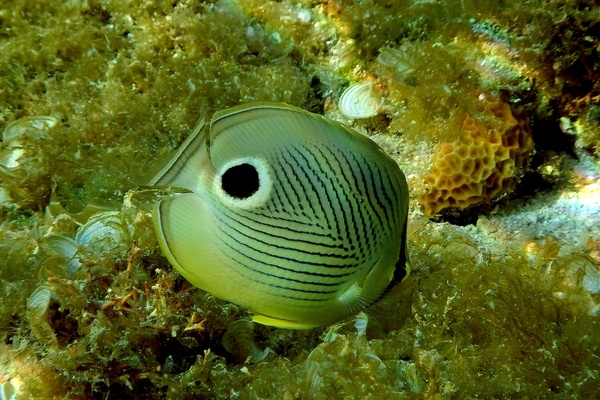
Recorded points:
360,323
39,301
19,137
35,126
37,312
360,101
9,160
68,249
104,232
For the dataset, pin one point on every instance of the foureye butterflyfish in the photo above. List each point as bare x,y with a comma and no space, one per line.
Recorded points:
295,217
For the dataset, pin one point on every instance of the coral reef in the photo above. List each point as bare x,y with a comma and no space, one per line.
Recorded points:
501,303
482,163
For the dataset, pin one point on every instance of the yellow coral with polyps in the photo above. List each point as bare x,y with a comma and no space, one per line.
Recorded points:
483,163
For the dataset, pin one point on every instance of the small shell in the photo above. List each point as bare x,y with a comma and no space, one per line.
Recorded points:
9,160
360,101
39,301
104,232
29,126
38,304
360,323
24,161
19,138
68,249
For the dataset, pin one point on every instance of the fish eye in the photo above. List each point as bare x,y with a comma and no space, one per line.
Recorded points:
240,181
244,182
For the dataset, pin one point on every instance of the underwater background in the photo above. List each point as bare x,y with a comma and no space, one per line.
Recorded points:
491,109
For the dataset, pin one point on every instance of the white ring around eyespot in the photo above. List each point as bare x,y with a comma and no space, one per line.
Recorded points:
258,198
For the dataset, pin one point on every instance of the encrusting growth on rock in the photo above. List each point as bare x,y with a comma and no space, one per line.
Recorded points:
482,163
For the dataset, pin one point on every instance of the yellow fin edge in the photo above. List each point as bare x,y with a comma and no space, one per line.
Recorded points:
281,323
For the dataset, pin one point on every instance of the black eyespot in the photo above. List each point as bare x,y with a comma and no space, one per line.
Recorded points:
240,181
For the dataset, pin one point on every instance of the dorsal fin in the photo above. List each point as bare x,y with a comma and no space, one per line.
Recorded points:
182,169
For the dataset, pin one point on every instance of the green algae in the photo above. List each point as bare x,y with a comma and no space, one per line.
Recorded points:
495,318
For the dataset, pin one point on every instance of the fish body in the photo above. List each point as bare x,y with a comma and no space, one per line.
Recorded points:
292,216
